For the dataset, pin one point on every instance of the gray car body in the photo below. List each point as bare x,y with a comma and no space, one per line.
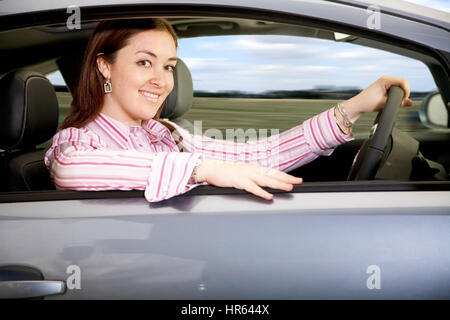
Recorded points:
302,245
238,247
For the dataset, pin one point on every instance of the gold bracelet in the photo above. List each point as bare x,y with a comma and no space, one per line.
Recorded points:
338,124
344,115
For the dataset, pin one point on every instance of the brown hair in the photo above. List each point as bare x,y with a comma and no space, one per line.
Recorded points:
108,37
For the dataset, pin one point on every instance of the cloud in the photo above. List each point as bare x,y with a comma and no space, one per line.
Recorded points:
296,50
282,48
260,63
443,5
208,64
266,47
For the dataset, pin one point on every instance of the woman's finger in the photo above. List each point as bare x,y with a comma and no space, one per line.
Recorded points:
258,191
407,103
283,176
404,84
396,81
271,182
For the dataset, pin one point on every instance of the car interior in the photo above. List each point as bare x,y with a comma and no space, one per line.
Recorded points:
29,106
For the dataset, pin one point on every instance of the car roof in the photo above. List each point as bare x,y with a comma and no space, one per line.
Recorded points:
396,7
410,9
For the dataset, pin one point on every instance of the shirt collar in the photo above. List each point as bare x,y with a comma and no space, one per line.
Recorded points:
123,127
155,128
115,128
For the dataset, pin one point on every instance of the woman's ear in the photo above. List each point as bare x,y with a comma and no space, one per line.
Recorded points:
103,66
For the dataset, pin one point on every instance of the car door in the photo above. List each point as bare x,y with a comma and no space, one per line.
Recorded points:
326,239
302,245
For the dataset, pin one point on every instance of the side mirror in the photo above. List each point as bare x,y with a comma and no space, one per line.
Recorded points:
433,111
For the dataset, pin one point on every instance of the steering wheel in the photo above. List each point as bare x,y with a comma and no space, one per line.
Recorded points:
370,155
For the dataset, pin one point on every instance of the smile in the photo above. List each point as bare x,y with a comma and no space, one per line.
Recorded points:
149,96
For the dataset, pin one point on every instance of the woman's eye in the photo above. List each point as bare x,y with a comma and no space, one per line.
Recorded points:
170,68
145,63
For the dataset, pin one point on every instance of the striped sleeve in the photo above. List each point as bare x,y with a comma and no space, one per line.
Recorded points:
79,160
323,134
286,151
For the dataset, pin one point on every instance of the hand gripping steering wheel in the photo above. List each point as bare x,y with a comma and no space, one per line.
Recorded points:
370,155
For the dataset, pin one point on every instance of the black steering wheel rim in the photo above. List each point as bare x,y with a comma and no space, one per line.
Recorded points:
370,155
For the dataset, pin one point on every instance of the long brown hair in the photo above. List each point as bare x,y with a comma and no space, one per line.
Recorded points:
108,37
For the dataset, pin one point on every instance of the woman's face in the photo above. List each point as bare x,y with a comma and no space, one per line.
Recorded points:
141,76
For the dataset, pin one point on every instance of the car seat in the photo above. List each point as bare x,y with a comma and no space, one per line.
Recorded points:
28,117
180,99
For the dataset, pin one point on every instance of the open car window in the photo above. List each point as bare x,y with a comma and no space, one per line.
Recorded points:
250,86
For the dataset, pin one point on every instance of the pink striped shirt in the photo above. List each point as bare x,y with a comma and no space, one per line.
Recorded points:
107,154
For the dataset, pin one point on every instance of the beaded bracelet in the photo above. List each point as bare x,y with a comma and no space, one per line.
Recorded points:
193,178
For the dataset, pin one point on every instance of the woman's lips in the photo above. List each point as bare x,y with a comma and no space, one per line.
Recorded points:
152,97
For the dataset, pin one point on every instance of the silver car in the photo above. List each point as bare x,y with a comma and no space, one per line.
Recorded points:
371,221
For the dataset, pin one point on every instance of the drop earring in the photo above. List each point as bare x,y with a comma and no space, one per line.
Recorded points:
107,87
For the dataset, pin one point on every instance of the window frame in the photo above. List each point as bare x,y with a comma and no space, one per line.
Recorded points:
435,60
306,187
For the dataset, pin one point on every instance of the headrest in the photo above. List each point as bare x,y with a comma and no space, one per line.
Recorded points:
179,100
28,110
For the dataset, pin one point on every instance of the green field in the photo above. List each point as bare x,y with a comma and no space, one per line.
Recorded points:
281,114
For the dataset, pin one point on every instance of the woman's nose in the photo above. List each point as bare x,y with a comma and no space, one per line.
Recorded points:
158,78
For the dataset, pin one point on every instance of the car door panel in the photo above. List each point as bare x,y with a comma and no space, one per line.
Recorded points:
211,247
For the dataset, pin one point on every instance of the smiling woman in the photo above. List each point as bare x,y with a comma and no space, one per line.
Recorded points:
135,97
110,44
113,138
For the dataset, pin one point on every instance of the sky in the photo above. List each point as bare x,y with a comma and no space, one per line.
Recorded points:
436,4
263,63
